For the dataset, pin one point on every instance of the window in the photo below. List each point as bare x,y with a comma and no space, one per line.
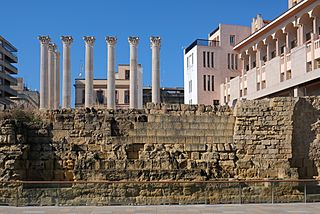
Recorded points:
117,96
127,74
204,59
208,59
100,97
254,64
293,44
204,82
282,77
190,101
236,61
308,36
232,40
190,60
288,74
208,82
273,54
212,59
309,66
1,56
264,58
212,83
83,96
282,49
263,84
190,86
232,61
126,96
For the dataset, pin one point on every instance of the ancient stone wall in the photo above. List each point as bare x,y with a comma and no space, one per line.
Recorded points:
256,139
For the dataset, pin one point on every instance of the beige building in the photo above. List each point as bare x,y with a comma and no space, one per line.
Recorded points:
209,62
281,58
122,85
8,57
26,98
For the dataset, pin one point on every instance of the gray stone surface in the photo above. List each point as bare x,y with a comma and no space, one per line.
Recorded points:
216,209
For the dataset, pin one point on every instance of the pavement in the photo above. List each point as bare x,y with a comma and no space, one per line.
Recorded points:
313,208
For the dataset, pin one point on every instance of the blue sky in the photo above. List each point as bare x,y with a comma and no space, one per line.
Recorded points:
178,22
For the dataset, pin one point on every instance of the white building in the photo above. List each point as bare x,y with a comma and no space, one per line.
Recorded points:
280,59
208,63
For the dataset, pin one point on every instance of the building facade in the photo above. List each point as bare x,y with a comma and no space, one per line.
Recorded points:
167,95
122,86
26,98
8,57
208,63
280,59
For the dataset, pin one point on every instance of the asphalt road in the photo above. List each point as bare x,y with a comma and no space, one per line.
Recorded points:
202,209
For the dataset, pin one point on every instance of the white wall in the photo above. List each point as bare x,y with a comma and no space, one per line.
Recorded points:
190,73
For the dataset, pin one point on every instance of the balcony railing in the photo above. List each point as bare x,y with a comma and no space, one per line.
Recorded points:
202,42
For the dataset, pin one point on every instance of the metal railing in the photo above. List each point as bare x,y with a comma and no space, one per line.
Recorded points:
202,42
83,193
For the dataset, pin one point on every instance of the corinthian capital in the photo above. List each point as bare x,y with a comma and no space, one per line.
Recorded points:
111,40
155,41
133,40
44,39
89,40
67,40
52,47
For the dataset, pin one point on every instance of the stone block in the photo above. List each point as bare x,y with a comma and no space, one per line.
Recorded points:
195,155
195,147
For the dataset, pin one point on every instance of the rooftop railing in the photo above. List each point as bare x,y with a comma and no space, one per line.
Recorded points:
202,42
93,193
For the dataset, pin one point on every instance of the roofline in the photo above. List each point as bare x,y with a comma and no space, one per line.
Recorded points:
298,7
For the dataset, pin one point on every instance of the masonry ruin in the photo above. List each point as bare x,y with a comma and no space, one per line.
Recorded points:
263,139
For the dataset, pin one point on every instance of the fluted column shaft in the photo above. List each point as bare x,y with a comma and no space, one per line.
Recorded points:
56,104
89,40
51,74
44,41
155,45
134,41
111,41
66,82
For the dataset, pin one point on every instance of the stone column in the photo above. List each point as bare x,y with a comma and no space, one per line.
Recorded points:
51,71
133,41
66,82
44,42
315,25
89,40
155,45
56,104
111,41
312,47
277,47
250,61
268,51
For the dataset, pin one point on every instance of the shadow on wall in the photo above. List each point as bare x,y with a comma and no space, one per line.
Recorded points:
305,114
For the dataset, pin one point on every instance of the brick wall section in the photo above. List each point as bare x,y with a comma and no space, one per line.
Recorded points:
263,138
